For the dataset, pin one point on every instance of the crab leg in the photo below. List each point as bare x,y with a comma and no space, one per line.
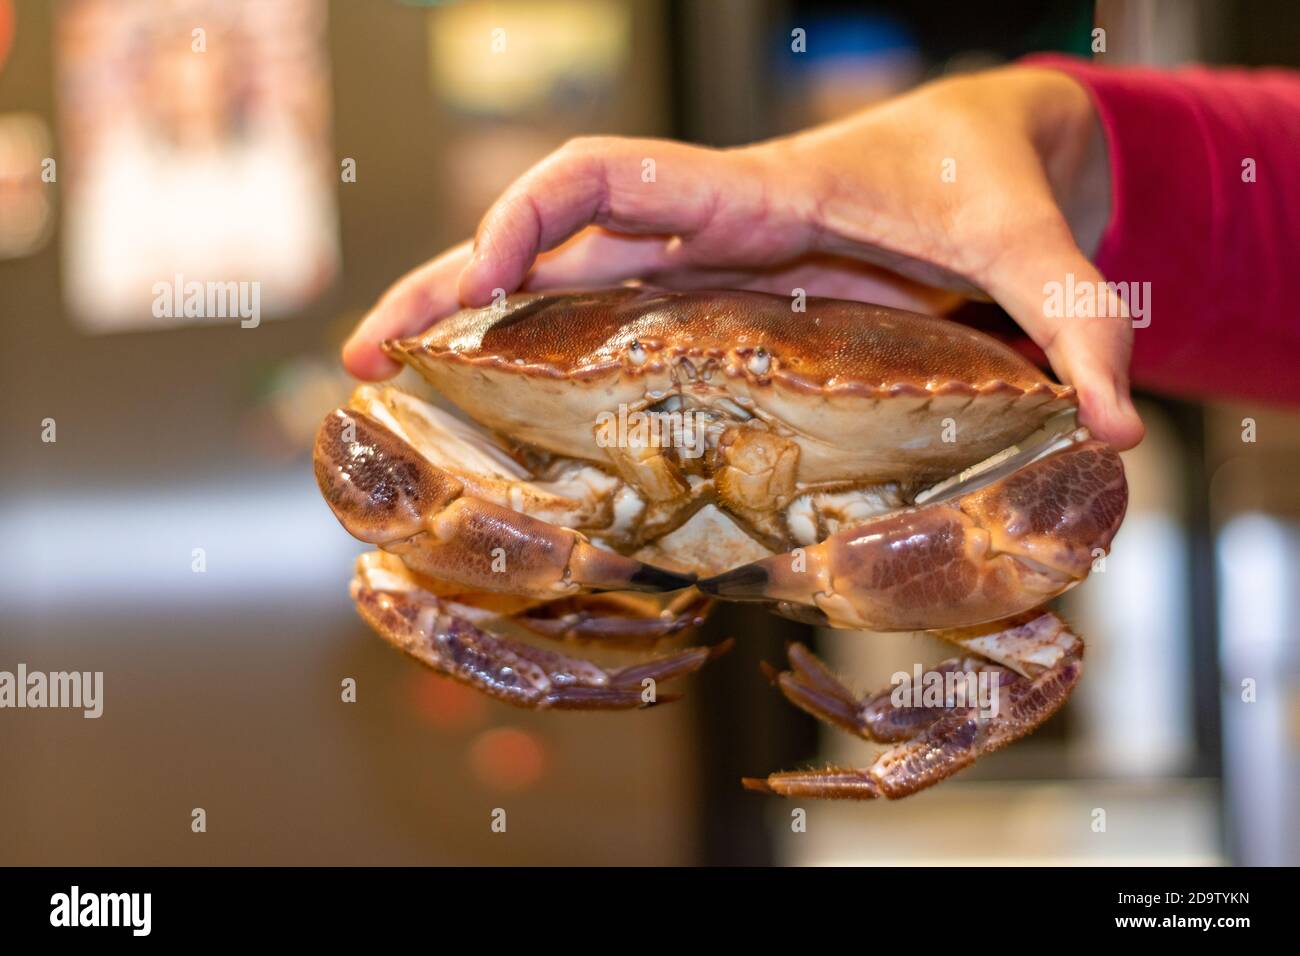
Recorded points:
615,618
1002,548
385,495
1041,660
449,634
445,636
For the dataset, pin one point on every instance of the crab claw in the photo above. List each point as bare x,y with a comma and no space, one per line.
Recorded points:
1000,549
375,485
386,494
485,546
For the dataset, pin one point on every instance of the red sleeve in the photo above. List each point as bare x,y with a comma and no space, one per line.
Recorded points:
1221,252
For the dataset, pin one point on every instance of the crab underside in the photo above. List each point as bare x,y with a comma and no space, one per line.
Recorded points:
633,455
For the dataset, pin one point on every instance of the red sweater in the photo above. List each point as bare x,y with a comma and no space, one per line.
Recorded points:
1217,237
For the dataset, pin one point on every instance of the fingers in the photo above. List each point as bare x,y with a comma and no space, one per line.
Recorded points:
686,217
713,202
1088,345
414,302
596,257
429,292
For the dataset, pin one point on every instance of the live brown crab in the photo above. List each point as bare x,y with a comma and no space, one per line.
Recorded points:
846,464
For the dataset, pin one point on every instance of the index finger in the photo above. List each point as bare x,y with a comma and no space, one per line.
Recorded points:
633,186
417,300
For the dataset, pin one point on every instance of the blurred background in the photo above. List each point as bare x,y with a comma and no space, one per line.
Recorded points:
323,149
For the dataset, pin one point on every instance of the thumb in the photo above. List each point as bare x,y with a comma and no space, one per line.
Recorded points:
1065,305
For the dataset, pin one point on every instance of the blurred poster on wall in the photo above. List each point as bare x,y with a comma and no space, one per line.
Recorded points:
196,157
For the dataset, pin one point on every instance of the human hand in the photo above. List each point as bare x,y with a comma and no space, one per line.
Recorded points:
856,209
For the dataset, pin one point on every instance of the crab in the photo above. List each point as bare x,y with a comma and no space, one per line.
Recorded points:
623,458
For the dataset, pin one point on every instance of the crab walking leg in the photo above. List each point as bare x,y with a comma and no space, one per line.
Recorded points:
811,686
441,634
1000,549
385,495
615,619
1044,661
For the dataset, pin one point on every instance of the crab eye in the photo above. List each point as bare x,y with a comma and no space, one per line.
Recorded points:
636,353
759,362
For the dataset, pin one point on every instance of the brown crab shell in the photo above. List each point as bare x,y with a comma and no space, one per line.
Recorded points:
869,393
